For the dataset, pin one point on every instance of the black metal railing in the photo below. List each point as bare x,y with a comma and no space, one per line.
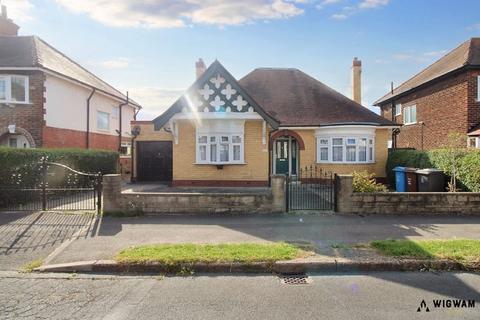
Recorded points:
311,189
51,186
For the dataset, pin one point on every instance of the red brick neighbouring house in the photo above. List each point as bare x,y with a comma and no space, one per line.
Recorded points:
441,99
48,100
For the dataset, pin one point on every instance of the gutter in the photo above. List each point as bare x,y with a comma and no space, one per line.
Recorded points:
120,122
88,116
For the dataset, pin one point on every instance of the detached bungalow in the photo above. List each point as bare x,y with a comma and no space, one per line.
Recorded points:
224,132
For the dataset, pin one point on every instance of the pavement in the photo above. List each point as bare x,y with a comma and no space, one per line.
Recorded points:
380,295
110,234
25,237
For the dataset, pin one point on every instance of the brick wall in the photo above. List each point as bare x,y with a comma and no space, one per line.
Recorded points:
443,108
473,103
66,138
404,202
29,116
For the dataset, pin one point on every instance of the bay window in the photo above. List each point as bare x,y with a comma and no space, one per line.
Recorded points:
219,148
14,89
347,149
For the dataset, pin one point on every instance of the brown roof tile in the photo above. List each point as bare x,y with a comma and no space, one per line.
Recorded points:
296,99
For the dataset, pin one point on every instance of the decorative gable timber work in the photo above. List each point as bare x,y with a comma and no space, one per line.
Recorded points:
214,93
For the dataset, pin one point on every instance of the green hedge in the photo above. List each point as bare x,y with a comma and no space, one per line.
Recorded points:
24,161
468,164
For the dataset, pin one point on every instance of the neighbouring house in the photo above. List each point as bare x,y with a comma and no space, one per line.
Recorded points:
48,100
441,99
224,132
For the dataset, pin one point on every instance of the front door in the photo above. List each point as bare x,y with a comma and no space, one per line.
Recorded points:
286,156
154,160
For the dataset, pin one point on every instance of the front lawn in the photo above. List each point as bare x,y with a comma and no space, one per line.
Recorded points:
462,250
190,253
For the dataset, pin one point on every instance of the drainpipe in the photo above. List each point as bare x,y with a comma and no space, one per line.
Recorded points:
120,122
88,117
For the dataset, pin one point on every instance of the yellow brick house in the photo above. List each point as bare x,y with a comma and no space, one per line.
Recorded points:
224,132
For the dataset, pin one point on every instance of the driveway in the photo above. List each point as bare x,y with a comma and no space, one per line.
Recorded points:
113,234
25,237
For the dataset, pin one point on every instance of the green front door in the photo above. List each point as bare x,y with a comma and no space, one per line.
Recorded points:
286,156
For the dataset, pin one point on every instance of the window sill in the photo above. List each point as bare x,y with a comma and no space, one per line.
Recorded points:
346,163
15,103
219,163
410,123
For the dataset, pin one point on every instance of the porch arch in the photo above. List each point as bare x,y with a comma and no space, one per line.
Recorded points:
23,132
286,133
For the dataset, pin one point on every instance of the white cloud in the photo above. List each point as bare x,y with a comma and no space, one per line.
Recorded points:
474,27
325,3
115,63
154,100
179,13
369,4
339,16
435,53
419,57
18,10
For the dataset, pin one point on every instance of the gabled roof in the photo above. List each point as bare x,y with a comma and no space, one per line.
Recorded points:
33,52
296,99
191,96
467,54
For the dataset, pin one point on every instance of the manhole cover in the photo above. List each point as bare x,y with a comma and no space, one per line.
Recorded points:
295,279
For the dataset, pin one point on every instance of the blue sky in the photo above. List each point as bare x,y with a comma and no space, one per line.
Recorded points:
149,46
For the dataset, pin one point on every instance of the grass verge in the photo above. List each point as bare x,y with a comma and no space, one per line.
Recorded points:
171,254
29,267
461,250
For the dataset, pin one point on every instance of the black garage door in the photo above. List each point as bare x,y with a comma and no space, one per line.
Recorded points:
154,160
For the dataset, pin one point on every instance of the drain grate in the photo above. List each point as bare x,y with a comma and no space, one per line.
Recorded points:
295,279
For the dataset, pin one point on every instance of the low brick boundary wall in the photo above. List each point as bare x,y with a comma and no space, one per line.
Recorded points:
404,202
270,201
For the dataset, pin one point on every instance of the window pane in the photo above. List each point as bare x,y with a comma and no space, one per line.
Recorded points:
213,139
324,142
236,153
224,152
203,152
103,120
351,141
202,139
213,152
351,153
413,114
236,139
3,89
12,142
18,89
370,154
324,154
337,153
362,154
337,141
224,139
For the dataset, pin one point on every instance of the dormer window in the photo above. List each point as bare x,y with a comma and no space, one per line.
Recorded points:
14,89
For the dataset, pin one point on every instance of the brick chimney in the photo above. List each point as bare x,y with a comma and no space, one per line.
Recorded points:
200,67
7,27
357,80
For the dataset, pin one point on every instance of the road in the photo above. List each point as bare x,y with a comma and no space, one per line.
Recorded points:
348,296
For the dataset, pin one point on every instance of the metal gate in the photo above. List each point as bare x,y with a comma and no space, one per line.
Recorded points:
51,186
311,189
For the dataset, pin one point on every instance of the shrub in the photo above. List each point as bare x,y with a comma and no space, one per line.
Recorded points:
468,174
21,166
365,182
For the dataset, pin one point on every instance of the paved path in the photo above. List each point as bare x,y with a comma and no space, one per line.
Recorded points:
361,296
25,237
114,234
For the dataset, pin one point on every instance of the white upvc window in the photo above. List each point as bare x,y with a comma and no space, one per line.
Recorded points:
410,115
220,149
473,142
345,149
14,89
398,109
103,121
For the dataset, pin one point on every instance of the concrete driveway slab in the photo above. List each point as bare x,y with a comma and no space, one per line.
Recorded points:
25,237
